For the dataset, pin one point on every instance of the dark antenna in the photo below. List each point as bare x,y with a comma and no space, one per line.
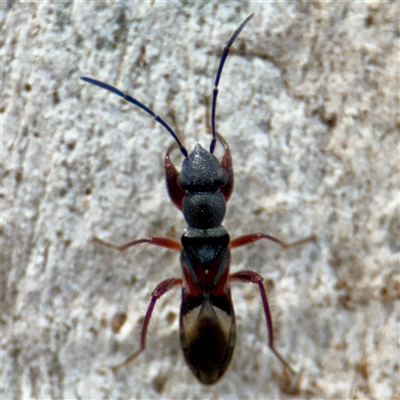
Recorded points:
221,66
132,100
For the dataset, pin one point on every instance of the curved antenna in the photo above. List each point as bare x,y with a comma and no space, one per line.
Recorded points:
221,66
132,100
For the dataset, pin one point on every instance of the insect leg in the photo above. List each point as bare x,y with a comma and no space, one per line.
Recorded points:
254,237
158,241
161,288
253,277
226,164
176,194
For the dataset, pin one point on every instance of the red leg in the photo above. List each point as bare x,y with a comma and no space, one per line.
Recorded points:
226,164
253,277
176,194
158,241
161,288
254,237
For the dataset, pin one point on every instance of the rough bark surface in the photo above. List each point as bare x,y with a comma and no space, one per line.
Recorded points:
308,103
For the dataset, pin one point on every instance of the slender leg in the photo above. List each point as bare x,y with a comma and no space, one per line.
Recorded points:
253,277
176,194
158,241
254,237
226,164
161,288
226,161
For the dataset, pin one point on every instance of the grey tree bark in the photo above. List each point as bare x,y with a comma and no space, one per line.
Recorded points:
308,103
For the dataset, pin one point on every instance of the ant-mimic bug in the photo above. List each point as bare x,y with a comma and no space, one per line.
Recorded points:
201,191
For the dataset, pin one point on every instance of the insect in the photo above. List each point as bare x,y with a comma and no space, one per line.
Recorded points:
201,190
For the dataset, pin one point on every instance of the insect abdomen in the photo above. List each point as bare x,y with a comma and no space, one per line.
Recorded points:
208,339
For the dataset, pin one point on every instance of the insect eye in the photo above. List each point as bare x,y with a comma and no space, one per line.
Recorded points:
222,177
183,181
